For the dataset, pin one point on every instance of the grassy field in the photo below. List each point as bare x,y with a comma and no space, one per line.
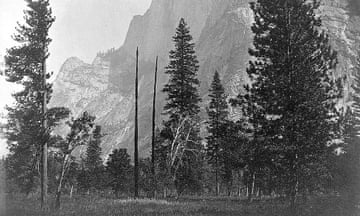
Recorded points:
329,206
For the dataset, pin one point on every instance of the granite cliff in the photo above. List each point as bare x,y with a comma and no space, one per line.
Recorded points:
221,31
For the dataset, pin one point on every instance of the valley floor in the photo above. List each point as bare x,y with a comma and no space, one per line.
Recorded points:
79,206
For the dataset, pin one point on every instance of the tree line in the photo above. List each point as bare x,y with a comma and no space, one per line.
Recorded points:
291,140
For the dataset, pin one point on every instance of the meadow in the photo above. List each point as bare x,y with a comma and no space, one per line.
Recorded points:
193,206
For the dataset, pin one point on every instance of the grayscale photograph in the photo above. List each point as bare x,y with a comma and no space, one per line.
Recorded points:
180,107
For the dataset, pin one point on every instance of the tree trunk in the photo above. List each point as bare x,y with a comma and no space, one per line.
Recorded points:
165,194
136,159
253,184
58,191
57,200
247,190
251,188
293,194
71,191
153,133
44,176
228,189
216,179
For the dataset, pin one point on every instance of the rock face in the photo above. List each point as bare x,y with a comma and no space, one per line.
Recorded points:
221,31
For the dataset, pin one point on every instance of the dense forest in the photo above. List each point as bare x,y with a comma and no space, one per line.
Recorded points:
292,141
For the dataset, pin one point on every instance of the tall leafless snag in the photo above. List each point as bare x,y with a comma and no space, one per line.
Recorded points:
136,151
153,130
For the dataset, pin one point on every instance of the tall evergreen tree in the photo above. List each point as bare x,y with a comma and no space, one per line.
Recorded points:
119,170
182,89
217,123
93,161
292,97
26,65
181,130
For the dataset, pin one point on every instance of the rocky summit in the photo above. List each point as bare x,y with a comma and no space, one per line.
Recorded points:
221,31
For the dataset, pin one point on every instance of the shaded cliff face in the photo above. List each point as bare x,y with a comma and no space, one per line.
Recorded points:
341,19
152,32
221,31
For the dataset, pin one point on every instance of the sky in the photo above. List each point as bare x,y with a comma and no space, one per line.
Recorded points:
82,28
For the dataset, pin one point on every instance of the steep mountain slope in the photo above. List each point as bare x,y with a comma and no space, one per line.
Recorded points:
221,30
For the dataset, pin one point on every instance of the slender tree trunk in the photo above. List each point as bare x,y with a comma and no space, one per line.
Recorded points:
238,186
153,133
71,191
252,186
59,187
239,183
294,185
216,177
229,189
136,159
44,176
247,190
293,195
292,202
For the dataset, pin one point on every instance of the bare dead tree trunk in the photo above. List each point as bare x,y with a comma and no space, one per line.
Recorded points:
136,159
153,132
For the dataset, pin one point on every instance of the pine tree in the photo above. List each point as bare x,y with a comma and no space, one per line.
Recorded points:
182,89
93,161
27,132
218,118
181,130
292,97
119,170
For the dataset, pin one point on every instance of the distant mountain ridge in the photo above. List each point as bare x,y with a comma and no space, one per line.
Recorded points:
221,31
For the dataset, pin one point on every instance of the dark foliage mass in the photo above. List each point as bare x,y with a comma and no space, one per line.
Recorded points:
291,100
282,139
119,170
181,131
25,130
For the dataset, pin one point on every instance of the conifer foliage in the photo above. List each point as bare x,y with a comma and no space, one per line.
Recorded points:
292,97
119,170
26,65
181,130
93,162
182,89
217,123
